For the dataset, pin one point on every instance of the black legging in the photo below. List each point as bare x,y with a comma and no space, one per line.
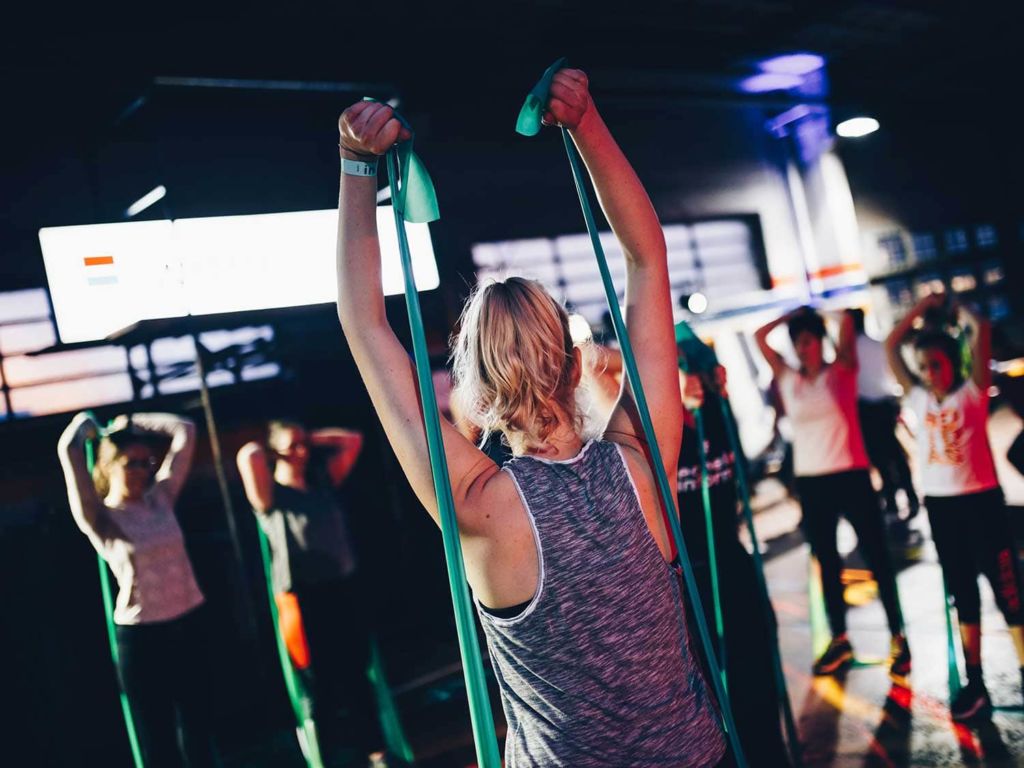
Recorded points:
335,620
878,424
823,499
165,671
972,536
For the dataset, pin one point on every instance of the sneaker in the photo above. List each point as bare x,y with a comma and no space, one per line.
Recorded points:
838,655
971,702
899,657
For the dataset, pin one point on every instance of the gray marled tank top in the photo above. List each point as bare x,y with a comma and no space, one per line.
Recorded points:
592,672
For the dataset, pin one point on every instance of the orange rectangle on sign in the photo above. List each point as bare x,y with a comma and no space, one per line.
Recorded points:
95,261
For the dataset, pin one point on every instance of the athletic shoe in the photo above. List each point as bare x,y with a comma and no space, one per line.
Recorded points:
971,702
899,657
838,655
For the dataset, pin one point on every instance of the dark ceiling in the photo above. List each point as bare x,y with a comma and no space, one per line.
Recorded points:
72,80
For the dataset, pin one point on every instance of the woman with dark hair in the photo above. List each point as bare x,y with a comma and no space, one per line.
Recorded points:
314,569
970,524
831,468
126,509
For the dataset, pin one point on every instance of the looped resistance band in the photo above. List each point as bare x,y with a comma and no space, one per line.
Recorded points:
108,612
658,468
700,357
412,189
414,200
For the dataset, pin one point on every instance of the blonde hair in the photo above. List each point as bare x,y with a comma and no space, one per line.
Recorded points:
514,366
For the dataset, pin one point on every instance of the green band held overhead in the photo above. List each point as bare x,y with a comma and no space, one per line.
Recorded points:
481,718
412,189
540,94
529,121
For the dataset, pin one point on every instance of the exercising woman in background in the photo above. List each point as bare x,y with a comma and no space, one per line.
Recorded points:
126,509
314,570
831,469
966,508
566,549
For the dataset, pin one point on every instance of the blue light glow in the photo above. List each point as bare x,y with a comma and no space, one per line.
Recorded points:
793,64
769,81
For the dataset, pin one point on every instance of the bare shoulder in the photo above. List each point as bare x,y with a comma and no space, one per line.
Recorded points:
491,503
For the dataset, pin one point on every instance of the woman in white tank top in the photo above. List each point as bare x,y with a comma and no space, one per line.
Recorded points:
831,466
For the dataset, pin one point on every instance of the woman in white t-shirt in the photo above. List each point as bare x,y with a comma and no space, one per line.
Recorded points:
125,507
970,524
831,468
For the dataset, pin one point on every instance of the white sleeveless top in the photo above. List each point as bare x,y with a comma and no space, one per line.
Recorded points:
826,428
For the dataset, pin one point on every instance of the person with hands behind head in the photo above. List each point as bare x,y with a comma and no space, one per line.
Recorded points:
831,467
125,507
966,509
565,546
291,482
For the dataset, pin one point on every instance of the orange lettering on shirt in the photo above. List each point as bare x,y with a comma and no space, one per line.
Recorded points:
946,444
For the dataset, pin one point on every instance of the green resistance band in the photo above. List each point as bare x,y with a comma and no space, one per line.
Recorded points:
302,705
387,713
414,200
953,669
705,495
701,357
528,123
108,612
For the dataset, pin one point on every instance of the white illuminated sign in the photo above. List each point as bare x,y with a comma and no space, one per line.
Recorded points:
104,277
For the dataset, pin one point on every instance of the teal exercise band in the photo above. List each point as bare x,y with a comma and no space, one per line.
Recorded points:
953,669
528,124
700,356
716,596
298,697
413,200
108,612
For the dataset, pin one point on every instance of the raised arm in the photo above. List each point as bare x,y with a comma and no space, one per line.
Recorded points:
182,432
770,354
86,505
254,467
368,129
648,303
846,346
981,347
344,445
894,341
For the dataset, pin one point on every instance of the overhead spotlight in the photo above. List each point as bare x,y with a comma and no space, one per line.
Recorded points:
154,195
579,329
697,303
856,127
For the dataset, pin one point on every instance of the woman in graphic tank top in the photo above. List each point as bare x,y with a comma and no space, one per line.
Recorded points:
968,516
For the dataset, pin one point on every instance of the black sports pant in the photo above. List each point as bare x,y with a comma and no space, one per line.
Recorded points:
823,499
878,424
337,629
165,670
972,536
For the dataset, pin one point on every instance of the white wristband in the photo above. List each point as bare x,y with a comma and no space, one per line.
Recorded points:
358,167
